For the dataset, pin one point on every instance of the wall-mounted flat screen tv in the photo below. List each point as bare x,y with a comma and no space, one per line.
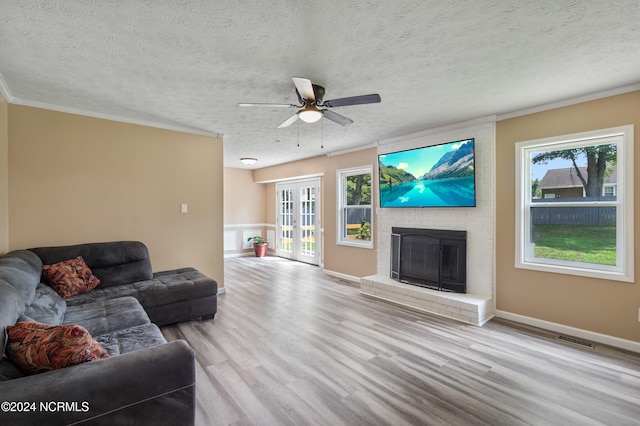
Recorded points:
432,176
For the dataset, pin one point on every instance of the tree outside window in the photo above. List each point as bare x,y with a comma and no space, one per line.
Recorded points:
578,230
575,202
355,206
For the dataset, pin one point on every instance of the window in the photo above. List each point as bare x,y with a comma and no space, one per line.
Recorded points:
574,204
355,218
610,191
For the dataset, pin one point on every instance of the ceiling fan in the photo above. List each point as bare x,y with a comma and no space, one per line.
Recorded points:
311,97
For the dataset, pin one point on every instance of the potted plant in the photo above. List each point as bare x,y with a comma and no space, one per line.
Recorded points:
364,232
260,245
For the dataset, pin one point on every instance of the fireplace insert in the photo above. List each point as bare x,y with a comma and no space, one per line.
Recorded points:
431,258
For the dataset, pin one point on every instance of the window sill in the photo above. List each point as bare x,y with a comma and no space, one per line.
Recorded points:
577,271
364,244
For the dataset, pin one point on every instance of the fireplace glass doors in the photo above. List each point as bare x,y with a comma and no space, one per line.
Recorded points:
431,258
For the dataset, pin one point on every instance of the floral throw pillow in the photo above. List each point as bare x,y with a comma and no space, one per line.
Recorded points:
70,277
36,347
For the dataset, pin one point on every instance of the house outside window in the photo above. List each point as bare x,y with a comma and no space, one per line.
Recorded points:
609,191
355,211
566,183
574,212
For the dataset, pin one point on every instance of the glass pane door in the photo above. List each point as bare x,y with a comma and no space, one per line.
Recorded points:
298,213
284,245
308,221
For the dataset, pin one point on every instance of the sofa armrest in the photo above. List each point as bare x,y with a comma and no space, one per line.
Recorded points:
150,386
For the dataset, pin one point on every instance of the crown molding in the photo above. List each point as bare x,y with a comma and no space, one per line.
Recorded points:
441,129
499,117
4,89
111,117
571,101
352,149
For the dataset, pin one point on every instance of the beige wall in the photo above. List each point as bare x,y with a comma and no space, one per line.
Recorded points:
75,179
243,199
352,261
601,306
270,203
359,262
4,176
244,208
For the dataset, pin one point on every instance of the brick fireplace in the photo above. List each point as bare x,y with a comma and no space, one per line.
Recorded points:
477,305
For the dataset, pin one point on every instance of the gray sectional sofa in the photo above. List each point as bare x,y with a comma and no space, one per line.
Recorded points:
145,380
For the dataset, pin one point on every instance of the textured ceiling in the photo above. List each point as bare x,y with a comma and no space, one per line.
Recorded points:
186,64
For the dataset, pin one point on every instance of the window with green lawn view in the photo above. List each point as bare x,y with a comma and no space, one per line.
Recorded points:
355,224
574,198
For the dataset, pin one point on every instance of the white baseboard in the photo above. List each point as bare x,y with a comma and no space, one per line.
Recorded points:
247,253
342,276
222,290
617,342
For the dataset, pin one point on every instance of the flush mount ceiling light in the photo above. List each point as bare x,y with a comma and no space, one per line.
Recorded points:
248,161
310,114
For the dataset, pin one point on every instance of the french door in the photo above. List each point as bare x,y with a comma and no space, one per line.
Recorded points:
297,218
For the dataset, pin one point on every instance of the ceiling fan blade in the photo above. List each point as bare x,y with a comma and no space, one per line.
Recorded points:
269,105
337,118
289,121
353,100
305,88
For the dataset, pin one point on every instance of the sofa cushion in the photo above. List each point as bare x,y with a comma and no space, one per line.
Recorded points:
35,347
21,275
174,286
47,306
9,371
30,257
103,293
131,339
70,277
114,263
107,316
11,307
165,288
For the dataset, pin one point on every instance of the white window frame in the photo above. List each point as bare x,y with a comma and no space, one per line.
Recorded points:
341,203
624,268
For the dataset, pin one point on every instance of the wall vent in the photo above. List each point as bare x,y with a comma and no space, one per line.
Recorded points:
578,342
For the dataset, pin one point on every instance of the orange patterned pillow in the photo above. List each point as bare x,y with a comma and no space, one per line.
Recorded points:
35,347
70,277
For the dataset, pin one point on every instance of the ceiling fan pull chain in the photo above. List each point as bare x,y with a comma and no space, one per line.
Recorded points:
322,134
298,134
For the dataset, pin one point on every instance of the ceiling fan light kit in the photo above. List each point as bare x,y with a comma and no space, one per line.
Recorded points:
309,114
310,96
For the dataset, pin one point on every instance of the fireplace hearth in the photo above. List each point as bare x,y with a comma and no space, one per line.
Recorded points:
431,258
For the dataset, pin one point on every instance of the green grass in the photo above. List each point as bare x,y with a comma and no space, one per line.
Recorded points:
578,243
287,245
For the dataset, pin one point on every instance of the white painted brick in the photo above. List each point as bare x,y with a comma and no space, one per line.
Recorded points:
479,222
463,307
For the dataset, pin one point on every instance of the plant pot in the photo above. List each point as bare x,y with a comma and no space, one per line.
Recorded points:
260,249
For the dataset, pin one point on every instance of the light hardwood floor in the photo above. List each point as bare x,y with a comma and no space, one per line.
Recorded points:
293,346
